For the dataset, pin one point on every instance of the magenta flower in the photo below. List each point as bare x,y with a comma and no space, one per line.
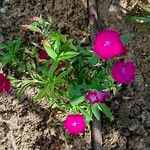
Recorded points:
4,84
123,72
102,96
97,96
108,44
43,55
75,124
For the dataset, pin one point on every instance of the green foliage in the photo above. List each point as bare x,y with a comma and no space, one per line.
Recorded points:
140,19
67,76
11,52
15,56
127,37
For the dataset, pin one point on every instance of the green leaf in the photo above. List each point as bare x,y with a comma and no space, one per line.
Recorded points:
86,114
95,111
52,69
127,37
51,87
105,109
140,19
57,45
68,55
34,28
64,73
50,52
74,92
55,105
41,94
23,87
95,83
93,60
3,46
78,100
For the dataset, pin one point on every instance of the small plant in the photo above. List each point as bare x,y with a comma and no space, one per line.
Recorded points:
15,56
76,78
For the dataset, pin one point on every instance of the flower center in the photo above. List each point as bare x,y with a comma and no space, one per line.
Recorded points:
93,98
123,71
74,124
107,44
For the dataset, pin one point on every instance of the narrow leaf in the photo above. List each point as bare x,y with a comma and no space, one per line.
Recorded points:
52,69
95,111
68,55
49,51
40,94
64,73
105,109
86,114
78,100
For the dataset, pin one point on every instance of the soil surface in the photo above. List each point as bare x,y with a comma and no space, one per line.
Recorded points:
130,129
26,125
69,15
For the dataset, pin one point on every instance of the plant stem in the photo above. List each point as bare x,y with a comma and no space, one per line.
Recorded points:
96,134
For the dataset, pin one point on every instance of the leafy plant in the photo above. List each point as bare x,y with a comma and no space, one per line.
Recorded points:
72,77
14,55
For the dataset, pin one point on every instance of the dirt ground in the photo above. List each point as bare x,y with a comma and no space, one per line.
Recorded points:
26,125
130,129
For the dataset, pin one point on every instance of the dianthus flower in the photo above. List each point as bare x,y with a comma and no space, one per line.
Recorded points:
97,96
43,55
4,84
108,44
123,72
75,124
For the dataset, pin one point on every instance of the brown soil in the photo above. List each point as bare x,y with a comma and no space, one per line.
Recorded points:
69,15
130,129
26,125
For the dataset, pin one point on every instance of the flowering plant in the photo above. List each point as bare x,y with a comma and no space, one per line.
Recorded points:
77,78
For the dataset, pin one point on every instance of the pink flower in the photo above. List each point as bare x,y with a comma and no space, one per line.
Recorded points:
34,18
108,44
43,54
123,72
4,84
75,124
97,96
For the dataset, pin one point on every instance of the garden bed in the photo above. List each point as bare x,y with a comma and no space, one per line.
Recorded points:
25,124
